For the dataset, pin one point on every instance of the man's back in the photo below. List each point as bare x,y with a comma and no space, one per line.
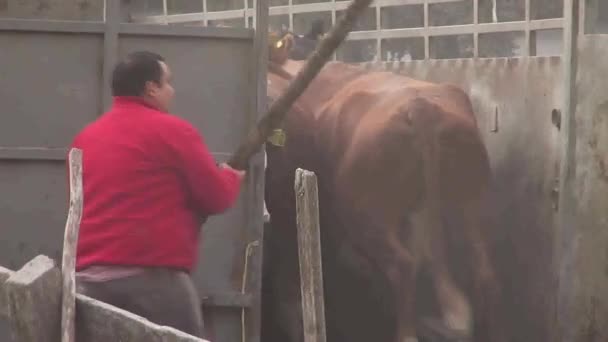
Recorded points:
149,180
140,206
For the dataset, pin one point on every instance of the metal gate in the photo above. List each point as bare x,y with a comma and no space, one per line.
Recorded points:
582,236
518,102
514,100
545,122
55,79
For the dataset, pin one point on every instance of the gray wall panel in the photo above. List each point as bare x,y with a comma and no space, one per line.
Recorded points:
33,210
585,259
49,86
211,83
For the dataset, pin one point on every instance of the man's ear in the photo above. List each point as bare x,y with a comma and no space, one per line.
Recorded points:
150,88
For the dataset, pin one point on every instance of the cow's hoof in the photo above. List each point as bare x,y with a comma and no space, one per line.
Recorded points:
458,316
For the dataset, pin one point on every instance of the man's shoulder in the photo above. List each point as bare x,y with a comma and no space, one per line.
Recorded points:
88,130
174,124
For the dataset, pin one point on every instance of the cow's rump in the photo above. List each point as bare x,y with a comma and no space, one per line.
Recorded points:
368,137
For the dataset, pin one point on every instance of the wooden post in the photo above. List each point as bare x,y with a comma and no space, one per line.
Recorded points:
309,248
68,264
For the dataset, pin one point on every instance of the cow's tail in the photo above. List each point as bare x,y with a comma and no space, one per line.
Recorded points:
455,308
424,119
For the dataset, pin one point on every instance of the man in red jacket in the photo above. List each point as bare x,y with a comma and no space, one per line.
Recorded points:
149,180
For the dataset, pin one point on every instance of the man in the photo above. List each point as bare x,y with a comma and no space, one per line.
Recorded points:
149,180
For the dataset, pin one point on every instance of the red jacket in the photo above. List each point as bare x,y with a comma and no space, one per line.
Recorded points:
148,180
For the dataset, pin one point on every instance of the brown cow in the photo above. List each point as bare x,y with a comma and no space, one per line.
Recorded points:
398,162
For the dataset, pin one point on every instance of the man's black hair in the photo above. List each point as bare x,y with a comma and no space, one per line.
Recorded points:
131,74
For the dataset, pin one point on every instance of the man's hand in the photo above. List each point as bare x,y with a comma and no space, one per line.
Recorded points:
239,173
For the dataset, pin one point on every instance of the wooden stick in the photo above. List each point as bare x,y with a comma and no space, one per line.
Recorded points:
309,249
279,108
68,307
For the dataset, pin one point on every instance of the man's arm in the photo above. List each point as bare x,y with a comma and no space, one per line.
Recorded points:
214,189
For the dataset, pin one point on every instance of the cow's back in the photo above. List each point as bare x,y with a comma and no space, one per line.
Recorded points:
366,116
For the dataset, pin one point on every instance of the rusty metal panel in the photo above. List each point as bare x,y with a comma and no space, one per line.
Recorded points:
588,237
55,81
513,101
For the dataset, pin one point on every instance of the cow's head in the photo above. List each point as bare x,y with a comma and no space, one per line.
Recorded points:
280,46
287,45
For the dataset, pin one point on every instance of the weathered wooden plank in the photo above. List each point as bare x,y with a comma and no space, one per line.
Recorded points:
100,322
5,273
309,248
34,301
68,263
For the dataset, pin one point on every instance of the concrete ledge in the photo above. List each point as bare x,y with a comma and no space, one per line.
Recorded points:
31,299
34,301
97,321
5,273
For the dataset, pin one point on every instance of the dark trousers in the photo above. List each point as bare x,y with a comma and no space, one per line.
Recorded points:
163,296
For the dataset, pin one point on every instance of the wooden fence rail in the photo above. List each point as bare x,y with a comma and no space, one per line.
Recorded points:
31,300
309,249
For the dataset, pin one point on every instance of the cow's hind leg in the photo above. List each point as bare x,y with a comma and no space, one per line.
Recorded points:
428,245
384,249
401,273
428,231
487,290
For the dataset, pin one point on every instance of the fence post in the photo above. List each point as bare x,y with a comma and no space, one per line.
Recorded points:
68,263
33,295
309,249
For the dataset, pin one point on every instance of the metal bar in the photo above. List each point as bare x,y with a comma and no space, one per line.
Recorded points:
252,280
427,39
110,49
246,18
527,47
290,12
567,252
231,299
582,15
33,153
276,10
334,57
379,28
544,24
58,153
458,29
59,26
186,31
205,12
476,33
532,44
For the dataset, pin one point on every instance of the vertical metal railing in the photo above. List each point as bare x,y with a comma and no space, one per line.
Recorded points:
378,34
